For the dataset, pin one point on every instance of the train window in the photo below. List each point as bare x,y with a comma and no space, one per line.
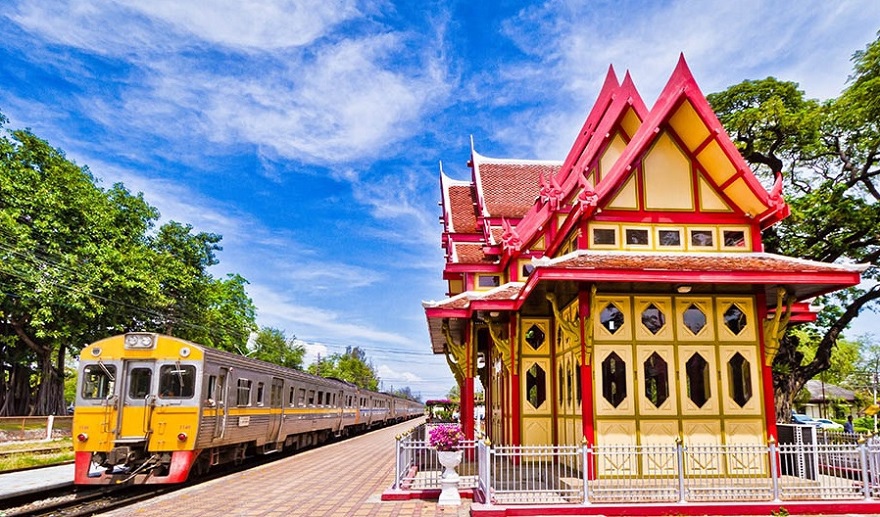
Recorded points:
320,398
311,397
139,382
301,397
244,393
291,398
210,397
98,381
177,381
259,393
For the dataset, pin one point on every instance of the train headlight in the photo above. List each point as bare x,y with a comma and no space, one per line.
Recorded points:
140,340
181,437
82,437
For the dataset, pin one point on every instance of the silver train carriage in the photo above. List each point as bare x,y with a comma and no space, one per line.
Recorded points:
152,408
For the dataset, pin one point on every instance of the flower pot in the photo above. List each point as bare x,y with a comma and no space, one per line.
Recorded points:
449,479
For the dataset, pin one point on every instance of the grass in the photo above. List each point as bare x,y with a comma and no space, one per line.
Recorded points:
19,455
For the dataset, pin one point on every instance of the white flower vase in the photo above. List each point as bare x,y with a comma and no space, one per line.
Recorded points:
450,478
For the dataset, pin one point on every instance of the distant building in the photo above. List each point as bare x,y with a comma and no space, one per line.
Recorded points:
828,400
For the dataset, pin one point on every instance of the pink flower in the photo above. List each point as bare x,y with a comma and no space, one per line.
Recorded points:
446,437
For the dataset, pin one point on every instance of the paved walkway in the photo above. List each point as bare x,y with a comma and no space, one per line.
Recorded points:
342,479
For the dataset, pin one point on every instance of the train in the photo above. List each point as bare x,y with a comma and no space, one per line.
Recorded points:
154,409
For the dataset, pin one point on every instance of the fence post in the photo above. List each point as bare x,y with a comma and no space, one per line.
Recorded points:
679,453
866,477
50,423
397,463
774,469
585,476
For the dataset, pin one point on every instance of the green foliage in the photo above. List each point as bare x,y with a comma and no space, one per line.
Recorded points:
352,366
78,263
827,155
273,346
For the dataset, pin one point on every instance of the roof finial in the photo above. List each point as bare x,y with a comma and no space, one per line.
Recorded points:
441,166
472,144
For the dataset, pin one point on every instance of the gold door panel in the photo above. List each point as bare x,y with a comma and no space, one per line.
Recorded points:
536,431
746,462
702,433
616,463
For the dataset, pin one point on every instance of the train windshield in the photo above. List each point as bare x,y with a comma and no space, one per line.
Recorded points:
177,381
98,381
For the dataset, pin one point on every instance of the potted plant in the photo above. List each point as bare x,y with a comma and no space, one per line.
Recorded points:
447,438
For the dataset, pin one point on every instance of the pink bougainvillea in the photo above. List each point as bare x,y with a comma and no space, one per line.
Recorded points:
446,437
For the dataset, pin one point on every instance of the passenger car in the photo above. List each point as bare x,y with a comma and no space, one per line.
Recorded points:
800,418
829,425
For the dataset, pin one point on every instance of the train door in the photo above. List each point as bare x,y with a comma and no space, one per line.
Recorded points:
275,411
340,408
218,393
136,400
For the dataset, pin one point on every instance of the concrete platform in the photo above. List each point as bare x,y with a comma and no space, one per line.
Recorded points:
31,481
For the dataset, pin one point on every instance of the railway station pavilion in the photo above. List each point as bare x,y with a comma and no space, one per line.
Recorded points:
623,295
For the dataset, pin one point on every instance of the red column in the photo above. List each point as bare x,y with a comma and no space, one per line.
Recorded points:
766,371
586,371
466,404
515,437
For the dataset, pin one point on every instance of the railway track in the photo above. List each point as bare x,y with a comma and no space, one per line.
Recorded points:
72,502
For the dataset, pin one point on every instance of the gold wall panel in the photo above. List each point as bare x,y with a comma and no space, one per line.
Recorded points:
747,306
664,304
754,405
668,177
624,331
711,405
704,304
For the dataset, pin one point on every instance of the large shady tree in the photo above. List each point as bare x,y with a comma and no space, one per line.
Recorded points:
79,263
827,154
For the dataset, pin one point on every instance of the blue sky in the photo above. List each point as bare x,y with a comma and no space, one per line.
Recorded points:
308,132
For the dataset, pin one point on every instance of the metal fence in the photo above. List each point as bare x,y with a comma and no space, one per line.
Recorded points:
418,468
501,474
678,473
14,428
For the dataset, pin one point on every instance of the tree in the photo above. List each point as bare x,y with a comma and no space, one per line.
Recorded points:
828,154
273,346
352,366
78,263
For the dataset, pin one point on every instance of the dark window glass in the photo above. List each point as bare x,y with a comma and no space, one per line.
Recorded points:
669,237
611,318
638,237
98,381
614,379
139,381
489,280
177,381
536,386
694,319
604,237
739,375
735,319
527,270
243,397
577,378
697,371
656,379
734,238
702,238
535,337
653,319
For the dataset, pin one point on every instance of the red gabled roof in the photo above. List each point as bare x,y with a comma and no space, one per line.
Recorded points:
508,188
613,102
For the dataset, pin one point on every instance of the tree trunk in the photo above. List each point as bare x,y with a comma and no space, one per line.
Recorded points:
50,394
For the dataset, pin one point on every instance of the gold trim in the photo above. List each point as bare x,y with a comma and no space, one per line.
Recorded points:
775,329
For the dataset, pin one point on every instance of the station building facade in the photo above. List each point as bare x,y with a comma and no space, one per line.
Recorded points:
621,296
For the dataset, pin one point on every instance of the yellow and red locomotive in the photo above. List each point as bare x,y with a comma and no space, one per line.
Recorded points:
152,408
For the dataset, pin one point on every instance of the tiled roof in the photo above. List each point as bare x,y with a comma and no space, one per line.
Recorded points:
510,188
470,253
463,209
820,392
765,262
463,300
